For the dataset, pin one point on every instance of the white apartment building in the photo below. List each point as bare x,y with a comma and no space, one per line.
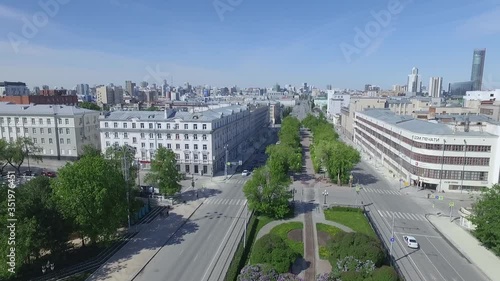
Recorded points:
336,100
198,139
109,95
482,95
60,131
431,155
435,87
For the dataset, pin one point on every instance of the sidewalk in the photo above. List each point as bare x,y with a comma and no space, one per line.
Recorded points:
468,245
152,237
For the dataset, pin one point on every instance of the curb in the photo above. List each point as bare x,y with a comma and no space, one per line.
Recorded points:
180,226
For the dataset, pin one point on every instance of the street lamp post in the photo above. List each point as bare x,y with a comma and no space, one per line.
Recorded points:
392,235
325,193
293,191
28,157
351,177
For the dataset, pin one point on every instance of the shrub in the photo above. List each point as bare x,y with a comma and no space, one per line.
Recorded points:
352,276
273,250
385,273
357,245
264,272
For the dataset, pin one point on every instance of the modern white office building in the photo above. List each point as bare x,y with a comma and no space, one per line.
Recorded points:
199,139
60,131
431,155
335,101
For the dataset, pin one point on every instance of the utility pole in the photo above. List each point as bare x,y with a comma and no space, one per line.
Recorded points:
227,160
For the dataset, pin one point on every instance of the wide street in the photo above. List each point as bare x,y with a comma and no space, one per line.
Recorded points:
203,254
436,259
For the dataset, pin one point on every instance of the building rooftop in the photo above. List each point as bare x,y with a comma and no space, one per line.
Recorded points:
5,83
7,108
207,115
415,125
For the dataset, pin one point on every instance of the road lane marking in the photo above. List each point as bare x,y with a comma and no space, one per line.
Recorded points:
229,230
445,260
407,216
417,235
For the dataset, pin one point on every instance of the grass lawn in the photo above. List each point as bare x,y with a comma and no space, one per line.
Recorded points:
282,231
355,220
331,230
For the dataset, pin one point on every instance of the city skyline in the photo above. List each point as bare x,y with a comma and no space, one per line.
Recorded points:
249,44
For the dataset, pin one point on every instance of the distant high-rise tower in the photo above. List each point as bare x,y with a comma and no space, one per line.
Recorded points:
435,87
414,81
129,88
477,69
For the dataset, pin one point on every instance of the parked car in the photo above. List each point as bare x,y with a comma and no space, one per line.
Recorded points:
29,173
245,173
411,242
48,174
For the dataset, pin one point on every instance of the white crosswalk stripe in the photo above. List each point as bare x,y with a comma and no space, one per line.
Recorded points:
224,201
402,215
382,191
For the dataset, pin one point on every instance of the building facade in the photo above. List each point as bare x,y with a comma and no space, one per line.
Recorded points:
435,87
13,89
430,155
66,100
414,82
198,139
357,104
60,131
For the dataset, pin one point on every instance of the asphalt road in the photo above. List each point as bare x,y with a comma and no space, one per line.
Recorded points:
203,254
436,260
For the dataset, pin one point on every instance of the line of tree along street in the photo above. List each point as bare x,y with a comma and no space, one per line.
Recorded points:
328,153
87,200
267,191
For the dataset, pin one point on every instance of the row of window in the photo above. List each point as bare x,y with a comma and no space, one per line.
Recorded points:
152,136
33,121
151,126
35,130
433,159
423,172
428,146
169,146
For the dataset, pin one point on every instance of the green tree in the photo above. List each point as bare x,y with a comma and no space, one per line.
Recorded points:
267,196
19,150
52,230
385,273
164,173
152,108
283,159
342,161
486,217
89,105
89,150
3,155
92,192
122,157
18,240
273,250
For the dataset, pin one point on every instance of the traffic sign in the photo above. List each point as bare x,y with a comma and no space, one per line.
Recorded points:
436,197
240,162
451,204
400,180
441,197
392,239
228,163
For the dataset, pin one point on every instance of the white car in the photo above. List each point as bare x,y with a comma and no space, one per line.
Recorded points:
245,173
411,242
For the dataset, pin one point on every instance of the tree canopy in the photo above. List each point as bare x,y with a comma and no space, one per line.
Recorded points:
89,105
327,152
486,217
16,152
92,192
164,174
266,196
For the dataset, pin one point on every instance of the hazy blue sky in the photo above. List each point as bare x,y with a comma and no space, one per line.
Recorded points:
246,42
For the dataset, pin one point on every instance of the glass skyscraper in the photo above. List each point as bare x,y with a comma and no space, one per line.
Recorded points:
477,69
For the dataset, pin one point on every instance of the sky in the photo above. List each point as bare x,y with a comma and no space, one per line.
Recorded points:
249,43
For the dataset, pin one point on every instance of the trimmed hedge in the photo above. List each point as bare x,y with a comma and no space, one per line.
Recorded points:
357,245
282,231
